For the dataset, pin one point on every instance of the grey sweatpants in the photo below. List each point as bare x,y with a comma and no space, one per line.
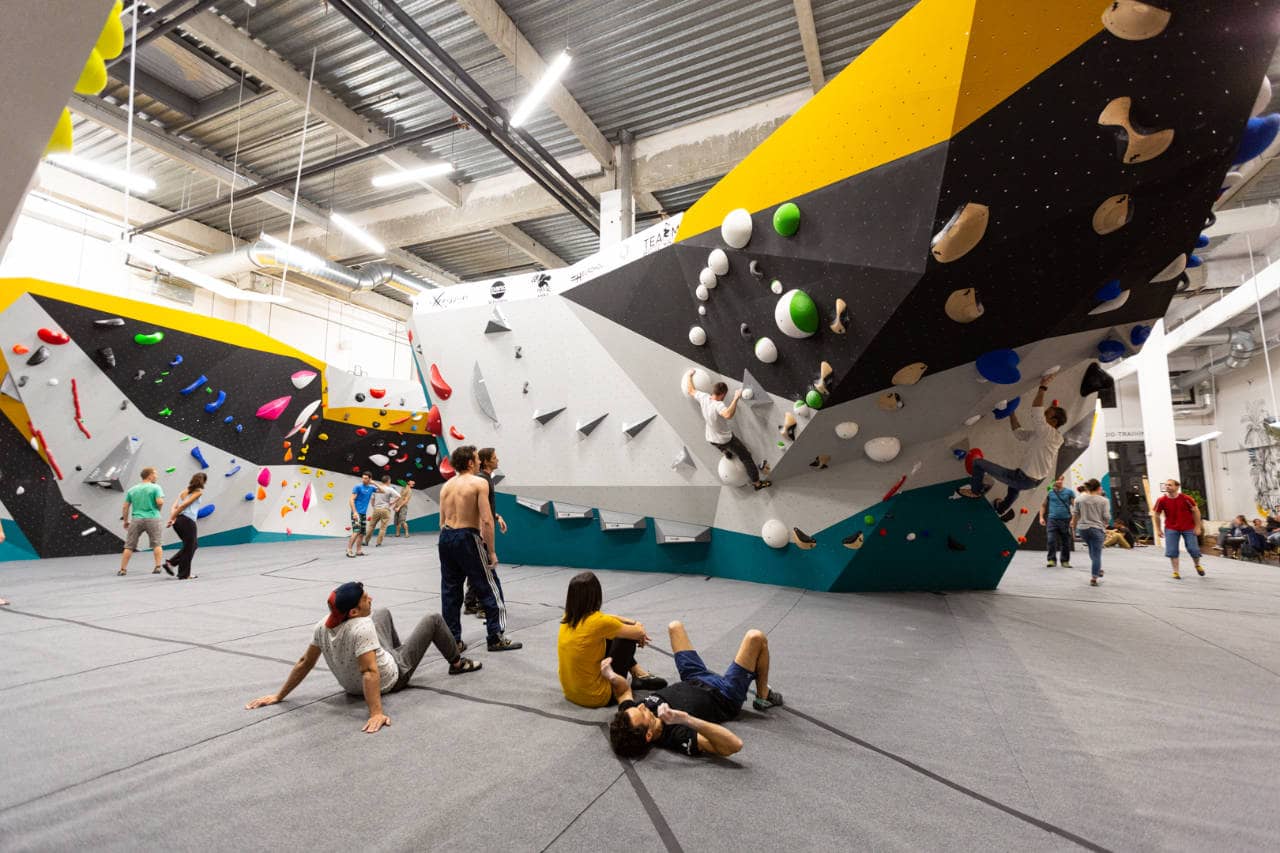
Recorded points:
431,630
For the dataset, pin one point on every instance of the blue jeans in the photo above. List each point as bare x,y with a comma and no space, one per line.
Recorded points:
1012,477
732,685
1093,537
1171,539
1059,534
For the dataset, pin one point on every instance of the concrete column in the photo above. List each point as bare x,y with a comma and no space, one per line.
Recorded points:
618,206
1157,410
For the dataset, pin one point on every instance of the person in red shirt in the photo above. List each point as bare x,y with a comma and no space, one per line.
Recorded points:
1182,522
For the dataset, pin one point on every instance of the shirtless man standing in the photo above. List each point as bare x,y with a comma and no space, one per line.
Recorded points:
466,550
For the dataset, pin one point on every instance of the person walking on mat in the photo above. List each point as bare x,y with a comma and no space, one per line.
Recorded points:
1182,523
141,514
362,649
466,550
1090,516
587,636
183,521
718,433
384,499
1055,517
1039,459
361,496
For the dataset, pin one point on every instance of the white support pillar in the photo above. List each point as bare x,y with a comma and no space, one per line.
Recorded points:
1157,410
618,206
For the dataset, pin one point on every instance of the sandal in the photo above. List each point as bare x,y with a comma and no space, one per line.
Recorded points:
122,573
464,665
763,484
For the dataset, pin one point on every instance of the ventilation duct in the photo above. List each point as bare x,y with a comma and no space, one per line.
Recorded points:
1203,406
266,255
1243,346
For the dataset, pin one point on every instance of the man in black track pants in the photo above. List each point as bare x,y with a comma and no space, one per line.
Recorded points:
467,552
488,464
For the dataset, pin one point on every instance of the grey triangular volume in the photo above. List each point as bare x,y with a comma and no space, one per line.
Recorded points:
481,392
545,417
679,532
115,466
759,396
684,457
539,506
588,427
618,522
566,510
634,429
497,477
9,388
497,323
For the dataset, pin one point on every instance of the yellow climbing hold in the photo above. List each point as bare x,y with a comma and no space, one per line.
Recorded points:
324,436
329,496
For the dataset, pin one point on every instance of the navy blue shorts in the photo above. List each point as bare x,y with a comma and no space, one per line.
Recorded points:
732,685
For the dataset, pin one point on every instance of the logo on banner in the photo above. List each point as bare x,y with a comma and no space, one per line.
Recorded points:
498,289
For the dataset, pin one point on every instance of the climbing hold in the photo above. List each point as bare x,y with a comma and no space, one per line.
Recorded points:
774,533
175,361
766,351
216,403
438,385
248,496
969,457
963,305
707,279
359,397
910,374
518,349
109,321
1138,334
813,398
239,427
262,493
744,330
588,426
786,219
361,431
379,459
684,457
165,412
846,429
40,356
776,287
53,380
20,349
1258,135
731,471
446,468
194,386
197,455
1134,144
138,375
56,337
1264,96
205,511
302,378
788,428
736,228
148,339
825,372
890,401
453,431
702,293
869,519
306,498
1174,269
235,470
883,449
748,393
853,542
702,310
954,545
754,269
434,424
377,393
228,419
1006,408
264,477
1113,214
911,537
1109,350
796,314
821,461
803,540
1133,20
697,336
274,409
961,233
170,469
840,324
1111,304
718,262
124,404
1108,291
999,366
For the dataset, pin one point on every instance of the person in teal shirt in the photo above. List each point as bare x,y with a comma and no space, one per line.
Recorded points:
141,514
1055,515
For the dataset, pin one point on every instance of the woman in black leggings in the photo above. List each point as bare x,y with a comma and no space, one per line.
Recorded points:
587,636
183,522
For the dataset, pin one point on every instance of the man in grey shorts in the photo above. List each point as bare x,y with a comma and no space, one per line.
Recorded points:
402,509
362,649
141,514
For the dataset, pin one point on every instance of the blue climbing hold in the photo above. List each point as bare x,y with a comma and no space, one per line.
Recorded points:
228,419
1009,408
958,453
1202,242
232,472
1193,261
1138,334
1259,133
194,386
999,366
248,496
206,511
216,403
177,359
239,427
1110,350
1110,290
199,457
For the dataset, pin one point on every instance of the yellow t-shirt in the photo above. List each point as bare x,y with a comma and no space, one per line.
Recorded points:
580,651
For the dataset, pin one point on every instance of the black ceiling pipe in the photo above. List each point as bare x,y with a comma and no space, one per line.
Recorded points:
440,128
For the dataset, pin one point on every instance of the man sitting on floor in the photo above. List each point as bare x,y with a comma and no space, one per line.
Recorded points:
365,654
686,716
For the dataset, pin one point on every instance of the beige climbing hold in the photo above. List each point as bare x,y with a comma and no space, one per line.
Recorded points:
890,401
963,305
963,231
842,317
1139,145
802,540
1133,20
1113,214
824,373
853,542
1175,268
788,428
910,374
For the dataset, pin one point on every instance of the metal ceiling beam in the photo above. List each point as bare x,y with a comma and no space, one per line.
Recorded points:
531,247
288,81
809,41
507,37
161,25
158,90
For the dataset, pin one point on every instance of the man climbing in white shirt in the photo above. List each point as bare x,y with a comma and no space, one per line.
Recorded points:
719,434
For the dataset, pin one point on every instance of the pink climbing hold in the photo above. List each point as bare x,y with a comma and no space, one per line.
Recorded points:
53,336
446,468
274,409
302,378
438,385
264,477
306,498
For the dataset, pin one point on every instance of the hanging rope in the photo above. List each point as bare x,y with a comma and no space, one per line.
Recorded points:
297,181
128,137
1262,329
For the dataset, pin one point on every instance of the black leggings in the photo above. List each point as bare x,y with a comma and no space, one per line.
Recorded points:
623,653
186,530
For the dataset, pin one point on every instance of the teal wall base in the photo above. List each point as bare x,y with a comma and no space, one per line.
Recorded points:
15,546
885,562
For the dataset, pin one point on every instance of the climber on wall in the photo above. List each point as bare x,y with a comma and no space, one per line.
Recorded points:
718,433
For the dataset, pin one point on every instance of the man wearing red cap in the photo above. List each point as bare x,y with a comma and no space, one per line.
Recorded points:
362,649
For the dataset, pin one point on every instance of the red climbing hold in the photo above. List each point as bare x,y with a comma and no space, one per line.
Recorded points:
53,336
438,385
453,431
362,431
446,468
1004,553
19,349
975,453
434,424
893,491
377,393
1023,511
1022,540
884,532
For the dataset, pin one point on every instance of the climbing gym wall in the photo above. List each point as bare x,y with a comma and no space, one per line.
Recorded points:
96,388
990,194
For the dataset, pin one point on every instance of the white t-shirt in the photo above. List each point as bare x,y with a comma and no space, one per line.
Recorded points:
385,497
718,429
342,648
1042,456
1092,511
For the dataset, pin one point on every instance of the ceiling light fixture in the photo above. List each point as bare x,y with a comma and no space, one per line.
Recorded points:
299,259
178,269
361,236
1200,439
140,184
549,78
408,176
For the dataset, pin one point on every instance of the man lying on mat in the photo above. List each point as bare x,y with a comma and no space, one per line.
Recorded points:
686,717
365,654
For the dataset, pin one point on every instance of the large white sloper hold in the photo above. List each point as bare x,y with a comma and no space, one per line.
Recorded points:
701,381
846,429
736,228
707,278
697,336
883,449
766,351
775,533
732,472
718,262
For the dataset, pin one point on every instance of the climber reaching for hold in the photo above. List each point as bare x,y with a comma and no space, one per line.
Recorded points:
717,415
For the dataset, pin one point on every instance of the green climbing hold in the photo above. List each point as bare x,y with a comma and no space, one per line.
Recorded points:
208,390
170,470
786,219
799,405
869,519
166,411
813,399
184,438
796,314
148,339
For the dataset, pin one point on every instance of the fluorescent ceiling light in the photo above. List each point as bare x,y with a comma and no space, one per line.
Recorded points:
408,176
1201,439
549,78
180,270
361,236
140,184
299,259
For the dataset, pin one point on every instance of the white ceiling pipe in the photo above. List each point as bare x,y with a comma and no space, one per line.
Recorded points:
1238,220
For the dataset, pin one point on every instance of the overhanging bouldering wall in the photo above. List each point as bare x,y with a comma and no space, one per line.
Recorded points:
98,388
991,193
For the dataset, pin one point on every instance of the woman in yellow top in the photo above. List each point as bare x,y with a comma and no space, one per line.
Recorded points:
587,637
